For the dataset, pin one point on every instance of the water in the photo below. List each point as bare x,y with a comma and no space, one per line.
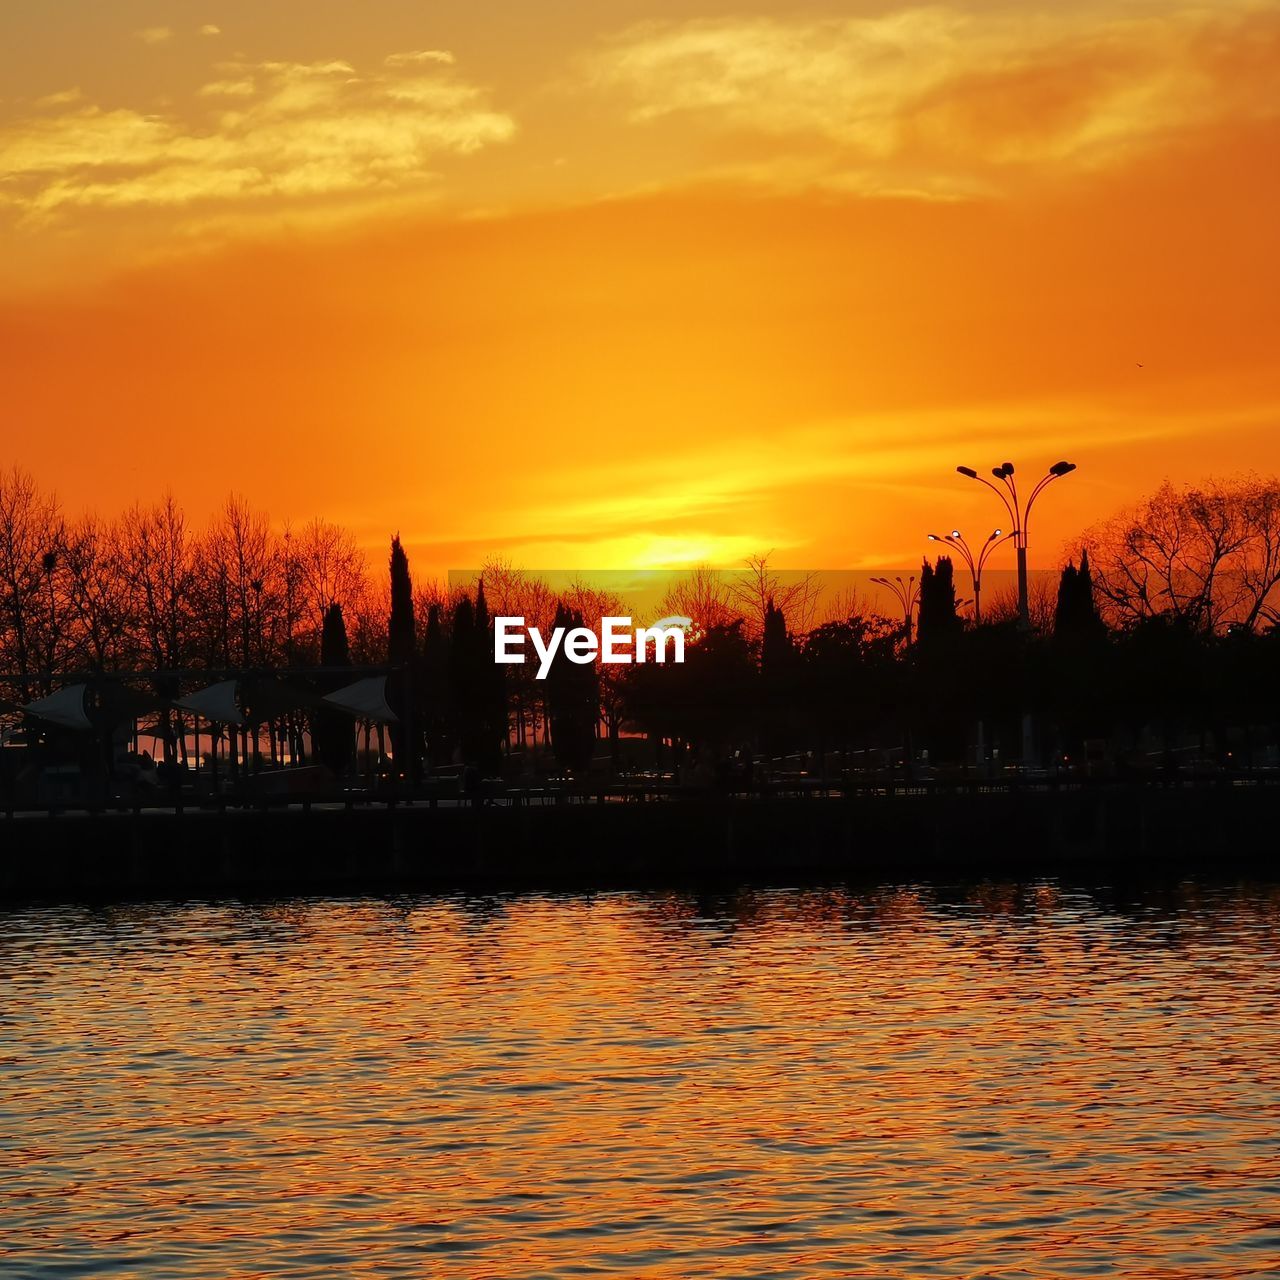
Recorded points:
1004,1081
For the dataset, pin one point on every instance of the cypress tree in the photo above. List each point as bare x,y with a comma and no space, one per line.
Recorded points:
1075,616
938,622
436,710
779,671
402,655
939,635
401,628
1064,609
333,734
1079,660
477,687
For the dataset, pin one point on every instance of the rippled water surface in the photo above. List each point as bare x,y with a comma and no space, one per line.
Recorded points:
1004,1081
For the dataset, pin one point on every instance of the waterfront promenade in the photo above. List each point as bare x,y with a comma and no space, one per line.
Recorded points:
633,834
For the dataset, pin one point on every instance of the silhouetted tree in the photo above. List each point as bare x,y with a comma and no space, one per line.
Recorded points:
1076,614
852,688
779,683
1079,671
493,687
939,697
436,714
1207,553
996,679
708,702
939,621
573,702
30,529
402,654
476,685
333,732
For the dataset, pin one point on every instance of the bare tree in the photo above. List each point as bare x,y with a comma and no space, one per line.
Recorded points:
156,563
758,586
96,593
367,624
1207,554
701,595
1042,599
331,569
31,538
240,581
844,604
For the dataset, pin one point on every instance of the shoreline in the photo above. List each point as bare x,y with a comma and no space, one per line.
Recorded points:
1113,830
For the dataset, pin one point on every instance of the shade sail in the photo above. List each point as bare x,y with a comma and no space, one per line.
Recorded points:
67,708
366,700
216,703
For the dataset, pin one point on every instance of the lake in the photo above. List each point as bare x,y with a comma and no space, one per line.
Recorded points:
996,1080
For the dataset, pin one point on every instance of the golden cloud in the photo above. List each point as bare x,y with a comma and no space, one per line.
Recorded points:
931,95
274,129
416,57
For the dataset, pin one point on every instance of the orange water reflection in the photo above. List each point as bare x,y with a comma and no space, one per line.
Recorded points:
1006,1081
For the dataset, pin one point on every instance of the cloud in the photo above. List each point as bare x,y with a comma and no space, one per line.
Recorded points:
60,99
420,56
938,100
242,88
210,30
154,35
279,130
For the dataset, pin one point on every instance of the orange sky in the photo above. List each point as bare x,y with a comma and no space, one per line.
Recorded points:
632,285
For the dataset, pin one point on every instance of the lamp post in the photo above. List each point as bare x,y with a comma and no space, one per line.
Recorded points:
975,563
907,594
1007,492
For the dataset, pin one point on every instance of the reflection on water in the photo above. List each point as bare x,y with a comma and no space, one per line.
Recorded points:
1009,1081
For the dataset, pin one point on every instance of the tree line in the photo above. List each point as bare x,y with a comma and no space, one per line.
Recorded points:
1161,627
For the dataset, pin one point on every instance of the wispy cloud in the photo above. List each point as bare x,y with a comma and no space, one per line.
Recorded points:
154,35
273,129
941,100
418,57
60,99
210,30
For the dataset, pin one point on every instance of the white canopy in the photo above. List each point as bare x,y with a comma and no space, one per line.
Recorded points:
66,708
216,703
366,700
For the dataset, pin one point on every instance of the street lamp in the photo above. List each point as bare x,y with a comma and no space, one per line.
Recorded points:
907,594
1007,492
975,563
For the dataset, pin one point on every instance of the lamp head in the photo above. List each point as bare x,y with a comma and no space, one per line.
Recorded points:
1007,468
968,471
1062,468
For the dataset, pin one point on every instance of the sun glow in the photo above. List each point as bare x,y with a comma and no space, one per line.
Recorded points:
641,296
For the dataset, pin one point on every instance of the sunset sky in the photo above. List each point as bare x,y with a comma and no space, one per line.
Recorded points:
623,284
